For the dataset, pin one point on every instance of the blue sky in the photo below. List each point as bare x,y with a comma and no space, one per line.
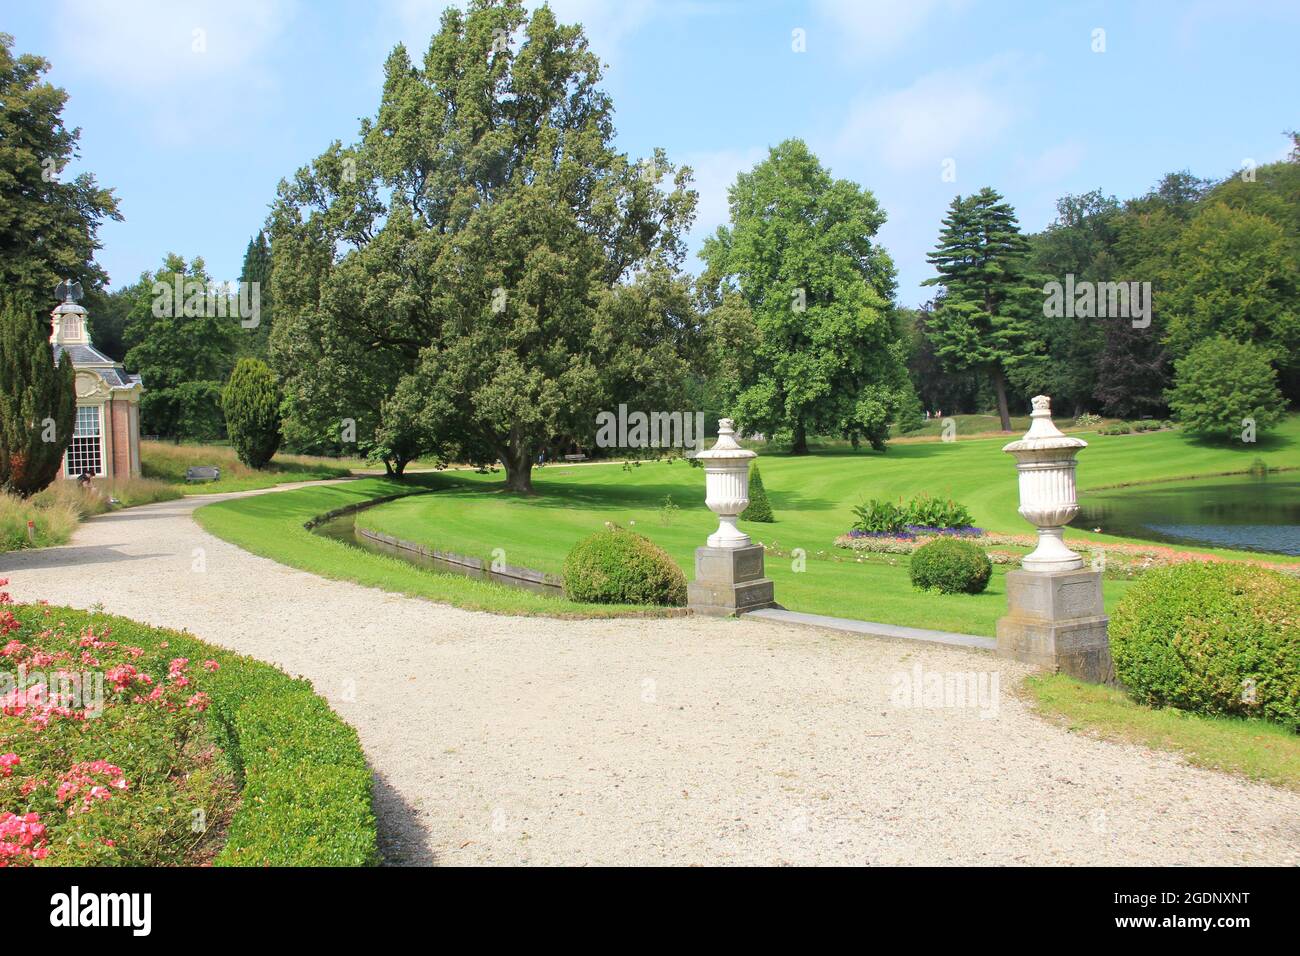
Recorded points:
1013,93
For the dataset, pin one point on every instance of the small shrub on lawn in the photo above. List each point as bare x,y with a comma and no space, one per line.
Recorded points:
1212,638
951,566
615,566
760,509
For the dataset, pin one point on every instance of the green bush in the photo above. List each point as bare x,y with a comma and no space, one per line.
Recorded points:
38,405
1220,383
251,402
937,513
615,566
760,509
1212,638
878,515
304,784
951,566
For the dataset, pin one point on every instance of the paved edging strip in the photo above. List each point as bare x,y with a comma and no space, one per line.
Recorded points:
871,629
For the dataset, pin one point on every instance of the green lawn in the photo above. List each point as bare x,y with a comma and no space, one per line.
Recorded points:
1254,748
272,526
812,496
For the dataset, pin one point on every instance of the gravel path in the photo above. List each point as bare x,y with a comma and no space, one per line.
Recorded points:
507,740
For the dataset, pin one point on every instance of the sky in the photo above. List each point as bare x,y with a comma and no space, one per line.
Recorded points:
917,100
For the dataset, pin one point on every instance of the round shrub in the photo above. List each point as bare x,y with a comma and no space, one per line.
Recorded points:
615,566
1212,638
951,566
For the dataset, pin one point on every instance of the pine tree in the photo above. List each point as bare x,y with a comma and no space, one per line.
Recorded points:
38,406
257,268
760,509
982,319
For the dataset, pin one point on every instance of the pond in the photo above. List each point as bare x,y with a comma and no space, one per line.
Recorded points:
345,529
1242,512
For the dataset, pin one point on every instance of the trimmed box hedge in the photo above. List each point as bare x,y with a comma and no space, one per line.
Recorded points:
305,787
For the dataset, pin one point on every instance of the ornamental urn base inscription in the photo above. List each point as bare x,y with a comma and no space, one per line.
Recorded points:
729,581
1056,620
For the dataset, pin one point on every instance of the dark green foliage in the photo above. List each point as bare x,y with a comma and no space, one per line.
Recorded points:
251,403
305,785
1216,638
1222,382
183,350
257,268
615,566
760,509
951,567
982,317
38,405
48,220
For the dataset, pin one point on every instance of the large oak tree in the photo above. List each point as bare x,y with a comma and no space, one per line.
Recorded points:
482,246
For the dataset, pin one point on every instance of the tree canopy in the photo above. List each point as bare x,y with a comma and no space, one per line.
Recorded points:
803,294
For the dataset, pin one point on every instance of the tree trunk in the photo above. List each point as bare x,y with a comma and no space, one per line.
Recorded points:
1000,386
399,467
800,444
388,468
519,470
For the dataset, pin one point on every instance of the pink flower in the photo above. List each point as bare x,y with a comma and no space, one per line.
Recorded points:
211,666
7,764
198,702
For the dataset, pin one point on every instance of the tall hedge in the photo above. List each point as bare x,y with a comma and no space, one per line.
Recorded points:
251,401
38,404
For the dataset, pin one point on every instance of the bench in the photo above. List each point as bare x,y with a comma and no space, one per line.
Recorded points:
575,457
203,473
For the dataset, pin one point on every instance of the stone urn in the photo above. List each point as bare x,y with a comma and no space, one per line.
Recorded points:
726,482
1045,459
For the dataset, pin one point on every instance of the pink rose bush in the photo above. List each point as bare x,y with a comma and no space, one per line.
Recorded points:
105,753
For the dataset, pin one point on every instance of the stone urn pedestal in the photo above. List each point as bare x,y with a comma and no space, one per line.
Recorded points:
1056,619
729,570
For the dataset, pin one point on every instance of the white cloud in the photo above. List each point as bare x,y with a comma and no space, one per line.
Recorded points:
942,115
189,64
879,27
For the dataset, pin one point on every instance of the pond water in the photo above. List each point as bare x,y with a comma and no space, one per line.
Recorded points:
345,529
1243,512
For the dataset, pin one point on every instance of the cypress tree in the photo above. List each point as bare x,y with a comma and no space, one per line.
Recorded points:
251,402
38,405
982,316
760,509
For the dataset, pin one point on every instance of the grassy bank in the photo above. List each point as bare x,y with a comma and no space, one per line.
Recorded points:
1253,748
167,463
56,511
272,526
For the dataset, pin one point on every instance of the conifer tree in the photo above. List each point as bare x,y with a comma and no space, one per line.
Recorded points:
38,405
760,509
982,319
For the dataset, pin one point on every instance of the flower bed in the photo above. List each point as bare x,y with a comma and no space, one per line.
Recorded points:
122,744
1115,559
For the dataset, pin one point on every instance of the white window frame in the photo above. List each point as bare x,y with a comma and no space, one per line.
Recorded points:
67,455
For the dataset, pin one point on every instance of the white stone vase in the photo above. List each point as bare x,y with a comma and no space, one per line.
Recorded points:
1045,459
726,482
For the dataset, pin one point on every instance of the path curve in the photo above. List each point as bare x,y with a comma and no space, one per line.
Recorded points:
505,740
